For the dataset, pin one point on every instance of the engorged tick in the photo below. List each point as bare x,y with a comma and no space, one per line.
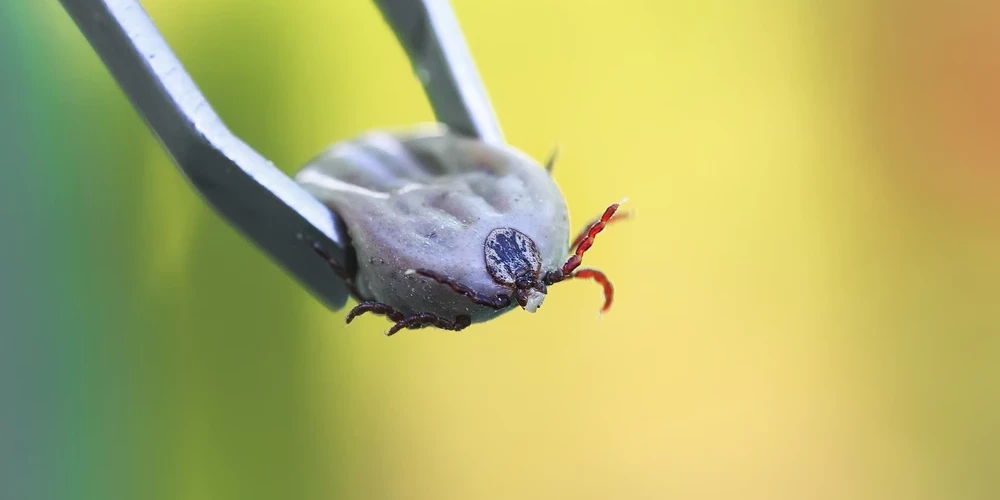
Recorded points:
441,209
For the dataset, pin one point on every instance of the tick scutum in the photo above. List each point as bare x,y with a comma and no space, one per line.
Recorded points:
511,256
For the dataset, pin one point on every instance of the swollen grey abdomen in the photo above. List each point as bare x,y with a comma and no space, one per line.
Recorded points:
428,200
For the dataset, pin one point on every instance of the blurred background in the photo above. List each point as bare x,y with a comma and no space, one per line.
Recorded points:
807,298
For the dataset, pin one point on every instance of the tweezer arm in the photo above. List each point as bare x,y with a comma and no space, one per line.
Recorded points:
433,40
249,191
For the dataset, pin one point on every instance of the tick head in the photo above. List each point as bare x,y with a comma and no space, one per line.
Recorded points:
530,293
530,299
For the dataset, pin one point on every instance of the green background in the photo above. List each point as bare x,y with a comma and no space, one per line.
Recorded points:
807,296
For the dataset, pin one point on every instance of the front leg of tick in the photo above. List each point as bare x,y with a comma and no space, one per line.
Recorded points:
403,321
583,242
585,232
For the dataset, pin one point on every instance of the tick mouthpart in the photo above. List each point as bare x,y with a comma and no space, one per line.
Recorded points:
534,301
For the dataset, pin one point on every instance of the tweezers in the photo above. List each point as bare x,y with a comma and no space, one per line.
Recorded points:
253,195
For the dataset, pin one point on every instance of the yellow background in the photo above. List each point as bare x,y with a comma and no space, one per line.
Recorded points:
807,297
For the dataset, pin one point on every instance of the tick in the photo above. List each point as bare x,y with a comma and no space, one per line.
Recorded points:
447,231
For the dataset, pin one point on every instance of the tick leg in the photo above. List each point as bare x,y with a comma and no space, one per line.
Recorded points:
498,302
411,322
375,308
583,234
587,239
602,279
337,269
551,162
402,321
429,319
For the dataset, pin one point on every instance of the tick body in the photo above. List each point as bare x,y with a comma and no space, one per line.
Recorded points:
446,230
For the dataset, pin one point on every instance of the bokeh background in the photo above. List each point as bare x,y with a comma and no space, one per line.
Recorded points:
807,298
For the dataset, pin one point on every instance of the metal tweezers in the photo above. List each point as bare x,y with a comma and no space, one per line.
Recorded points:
245,188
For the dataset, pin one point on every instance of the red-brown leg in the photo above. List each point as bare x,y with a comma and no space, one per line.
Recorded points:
587,241
499,302
583,234
602,279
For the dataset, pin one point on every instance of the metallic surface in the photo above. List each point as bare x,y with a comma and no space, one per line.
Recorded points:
433,40
245,188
